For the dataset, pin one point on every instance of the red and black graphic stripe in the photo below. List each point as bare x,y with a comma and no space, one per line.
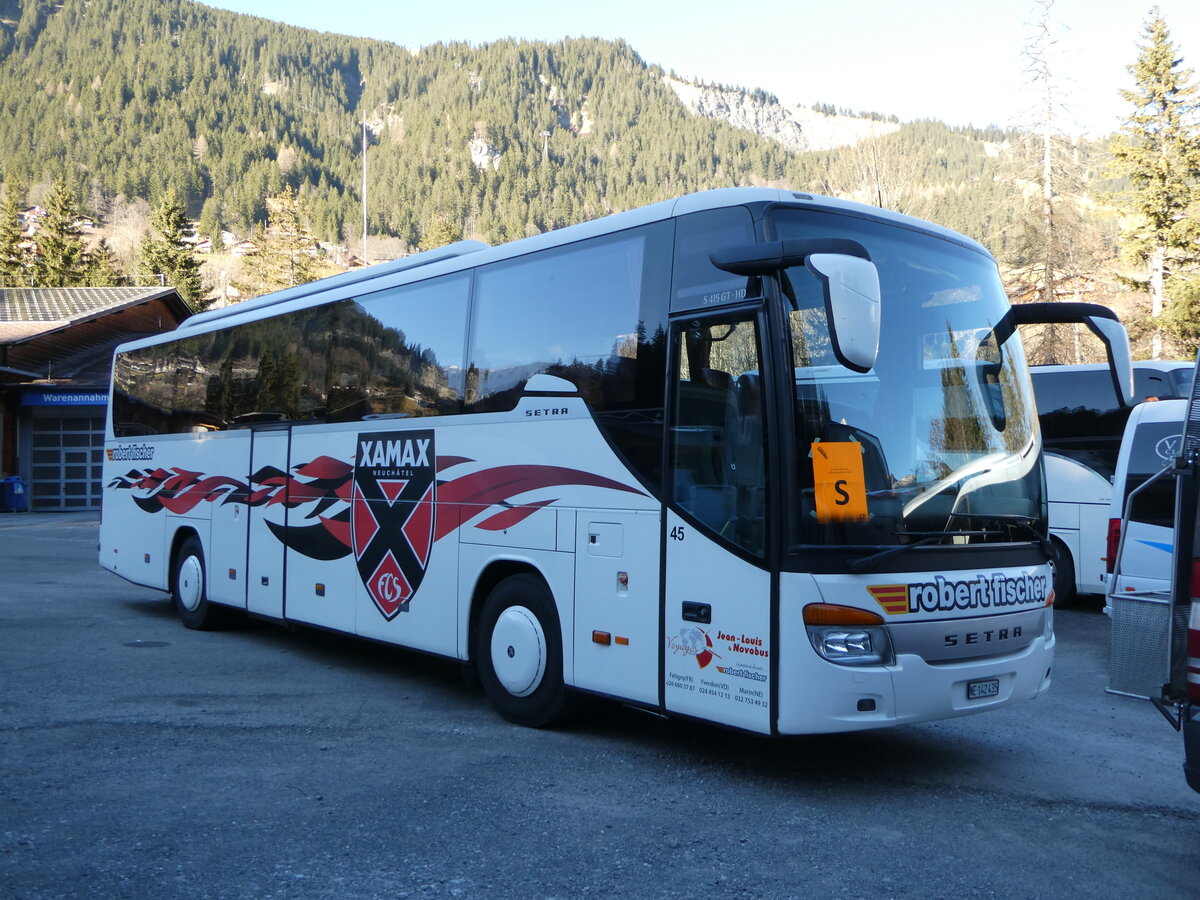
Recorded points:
327,484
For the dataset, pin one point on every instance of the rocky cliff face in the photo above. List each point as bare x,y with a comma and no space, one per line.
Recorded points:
796,128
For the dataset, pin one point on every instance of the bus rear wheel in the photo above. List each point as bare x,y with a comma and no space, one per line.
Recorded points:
518,652
189,588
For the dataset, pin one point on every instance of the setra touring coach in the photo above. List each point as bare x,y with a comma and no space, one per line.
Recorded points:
750,456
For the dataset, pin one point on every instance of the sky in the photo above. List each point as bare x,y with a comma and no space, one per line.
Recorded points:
959,61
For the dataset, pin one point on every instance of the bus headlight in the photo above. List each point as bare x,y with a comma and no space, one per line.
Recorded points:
848,636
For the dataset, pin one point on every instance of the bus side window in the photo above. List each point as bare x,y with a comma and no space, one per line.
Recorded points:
398,353
592,313
697,283
1151,385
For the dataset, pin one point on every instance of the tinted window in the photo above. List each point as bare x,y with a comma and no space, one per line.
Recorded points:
1090,391
698,284
1153,505
592,313
1152,384
718,455
1080,414
399,352
272,370
143,391
1155,445
1080,417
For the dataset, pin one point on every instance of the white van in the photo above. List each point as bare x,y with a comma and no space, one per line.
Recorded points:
1152,439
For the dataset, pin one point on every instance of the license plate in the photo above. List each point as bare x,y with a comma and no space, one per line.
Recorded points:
988,687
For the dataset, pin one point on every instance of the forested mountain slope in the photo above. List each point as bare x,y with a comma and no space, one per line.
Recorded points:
139,98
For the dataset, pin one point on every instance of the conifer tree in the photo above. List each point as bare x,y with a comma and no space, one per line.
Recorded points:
287,251
439,234
169,258
1159,150
14,261
103,268
61,259
210,222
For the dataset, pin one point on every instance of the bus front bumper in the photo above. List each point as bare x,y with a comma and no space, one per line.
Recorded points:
816,696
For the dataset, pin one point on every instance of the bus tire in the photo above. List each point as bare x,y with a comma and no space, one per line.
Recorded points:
1064,573
518,653
189,588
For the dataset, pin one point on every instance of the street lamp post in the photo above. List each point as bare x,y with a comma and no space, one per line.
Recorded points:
364,186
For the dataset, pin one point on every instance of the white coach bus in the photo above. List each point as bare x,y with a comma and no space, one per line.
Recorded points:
748,456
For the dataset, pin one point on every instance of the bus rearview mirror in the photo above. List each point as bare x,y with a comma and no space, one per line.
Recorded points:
849,282
851,288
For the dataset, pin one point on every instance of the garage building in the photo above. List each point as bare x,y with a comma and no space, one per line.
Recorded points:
56,347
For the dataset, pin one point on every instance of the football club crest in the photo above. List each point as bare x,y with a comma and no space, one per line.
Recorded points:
392,514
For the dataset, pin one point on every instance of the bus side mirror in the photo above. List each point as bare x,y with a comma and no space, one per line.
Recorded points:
1101,321
851,288
849,282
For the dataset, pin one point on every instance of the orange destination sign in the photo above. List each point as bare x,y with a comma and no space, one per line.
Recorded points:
841,488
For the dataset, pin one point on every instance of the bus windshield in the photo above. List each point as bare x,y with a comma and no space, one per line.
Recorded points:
942,423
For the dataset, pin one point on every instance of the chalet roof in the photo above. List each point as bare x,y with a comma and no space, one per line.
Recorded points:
70,333
27,312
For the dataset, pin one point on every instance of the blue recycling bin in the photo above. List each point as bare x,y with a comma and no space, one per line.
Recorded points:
12,495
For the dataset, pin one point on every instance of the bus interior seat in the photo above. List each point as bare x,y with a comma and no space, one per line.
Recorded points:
716,378
705,434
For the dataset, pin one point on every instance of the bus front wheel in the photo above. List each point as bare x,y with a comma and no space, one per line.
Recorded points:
518,650
1064,573
189,588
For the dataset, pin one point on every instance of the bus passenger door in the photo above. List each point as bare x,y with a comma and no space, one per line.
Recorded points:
320,590
230,521
717,600
268,521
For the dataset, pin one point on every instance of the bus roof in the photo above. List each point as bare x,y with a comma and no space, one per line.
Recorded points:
466,254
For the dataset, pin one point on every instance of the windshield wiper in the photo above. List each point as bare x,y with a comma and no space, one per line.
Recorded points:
866,563
1025,522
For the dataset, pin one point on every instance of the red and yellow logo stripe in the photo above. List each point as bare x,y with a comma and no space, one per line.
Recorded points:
892,597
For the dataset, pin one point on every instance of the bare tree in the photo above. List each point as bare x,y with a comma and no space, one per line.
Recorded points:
881,172
1053,253
129,220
